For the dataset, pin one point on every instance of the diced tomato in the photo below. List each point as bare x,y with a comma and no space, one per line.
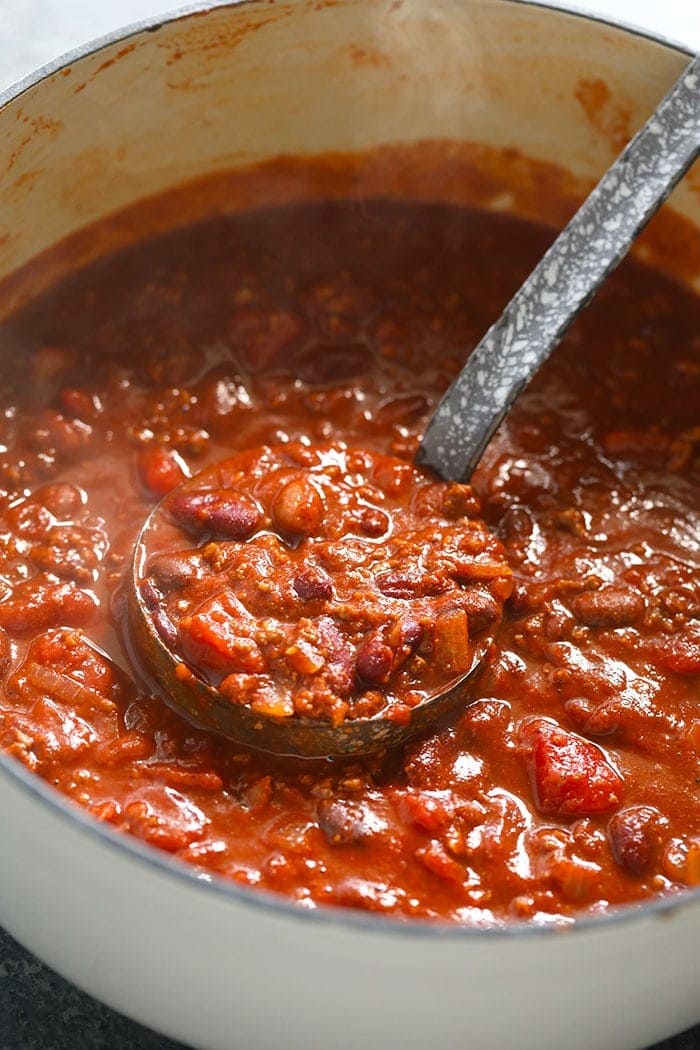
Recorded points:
438,862
425,812
569,775
682,653
159,470
216,636
165,818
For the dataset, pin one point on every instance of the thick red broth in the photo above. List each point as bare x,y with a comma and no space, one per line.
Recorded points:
571,782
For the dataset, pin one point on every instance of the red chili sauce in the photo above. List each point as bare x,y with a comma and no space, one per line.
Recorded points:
571,783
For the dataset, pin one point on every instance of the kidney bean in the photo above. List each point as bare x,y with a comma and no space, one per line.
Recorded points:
609,607
150,595
373,522
298,508
384,652
517,527
406,632
164,626
524,599
229,514
340,658
175,570
345,823
635,835
409,584
397,585
330,362
401,409
220,395
313,584
557,626
375,661
482,609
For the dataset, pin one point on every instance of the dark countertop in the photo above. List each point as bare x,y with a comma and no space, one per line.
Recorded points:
41,1011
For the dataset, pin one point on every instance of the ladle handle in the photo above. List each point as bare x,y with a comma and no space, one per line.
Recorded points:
585,252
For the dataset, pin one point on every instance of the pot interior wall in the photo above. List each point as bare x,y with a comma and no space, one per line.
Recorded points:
223,89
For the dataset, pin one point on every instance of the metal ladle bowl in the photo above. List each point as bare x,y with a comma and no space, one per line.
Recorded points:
293,736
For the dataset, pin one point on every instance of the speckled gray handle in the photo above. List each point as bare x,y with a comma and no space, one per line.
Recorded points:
588,249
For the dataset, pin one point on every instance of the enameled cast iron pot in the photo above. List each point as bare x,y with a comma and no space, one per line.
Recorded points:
214,89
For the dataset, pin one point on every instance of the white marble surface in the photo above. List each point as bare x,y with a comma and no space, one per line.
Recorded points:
33,32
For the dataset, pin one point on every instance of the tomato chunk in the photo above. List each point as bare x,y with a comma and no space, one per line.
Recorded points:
569,775
216,636
159,470
682,653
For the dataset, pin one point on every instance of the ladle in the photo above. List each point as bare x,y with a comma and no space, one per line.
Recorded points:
517,344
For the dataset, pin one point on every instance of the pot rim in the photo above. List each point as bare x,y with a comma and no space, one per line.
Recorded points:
11,770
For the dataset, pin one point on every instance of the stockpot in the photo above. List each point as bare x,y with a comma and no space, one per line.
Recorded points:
215,89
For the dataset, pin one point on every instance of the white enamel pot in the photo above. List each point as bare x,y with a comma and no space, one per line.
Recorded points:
214,89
